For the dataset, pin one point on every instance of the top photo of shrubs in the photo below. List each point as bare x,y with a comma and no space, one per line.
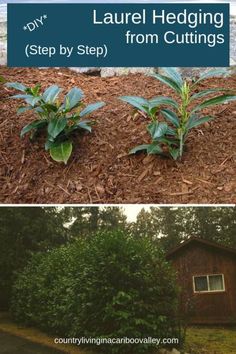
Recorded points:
163,137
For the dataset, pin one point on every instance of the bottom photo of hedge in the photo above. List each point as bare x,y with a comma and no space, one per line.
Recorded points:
118,280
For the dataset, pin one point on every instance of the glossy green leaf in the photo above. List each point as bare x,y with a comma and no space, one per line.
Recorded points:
23,109
84,125
211,73
154,149
174,74
51,93
49,144
194,121
206,93
139,148
162,100
153,111
90,108
50,107
169,82
174,152
56,126
138,102
29,99
38,110
170,131
73,98
171,117
22,96
16,86
169,139
61,152
37,124
214,101
35,90
157,130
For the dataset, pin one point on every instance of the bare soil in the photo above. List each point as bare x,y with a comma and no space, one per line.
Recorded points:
100,170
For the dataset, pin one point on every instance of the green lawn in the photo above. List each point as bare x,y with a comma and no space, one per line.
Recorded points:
211,340
34,335
199,340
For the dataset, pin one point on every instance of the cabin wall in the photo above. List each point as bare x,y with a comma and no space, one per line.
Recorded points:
211,307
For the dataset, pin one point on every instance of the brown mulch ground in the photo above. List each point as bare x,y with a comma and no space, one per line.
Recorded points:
100,171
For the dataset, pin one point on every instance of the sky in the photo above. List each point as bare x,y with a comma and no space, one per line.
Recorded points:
132,211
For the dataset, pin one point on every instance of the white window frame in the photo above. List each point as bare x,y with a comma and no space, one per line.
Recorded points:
208,284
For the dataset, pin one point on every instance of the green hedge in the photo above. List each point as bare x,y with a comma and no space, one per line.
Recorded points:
110,285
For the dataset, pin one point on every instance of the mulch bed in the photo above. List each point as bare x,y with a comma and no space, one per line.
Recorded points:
100,171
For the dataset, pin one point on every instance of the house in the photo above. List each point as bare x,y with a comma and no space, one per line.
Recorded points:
206,273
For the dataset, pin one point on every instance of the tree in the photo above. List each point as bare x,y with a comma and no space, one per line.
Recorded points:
143,227
110,285
217,224
164,225
88,220
27,230
23,231
112,218
171,225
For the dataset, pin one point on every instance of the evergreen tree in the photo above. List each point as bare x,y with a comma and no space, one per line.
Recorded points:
112,218
171,225
217,224
143,227
88,220
23,231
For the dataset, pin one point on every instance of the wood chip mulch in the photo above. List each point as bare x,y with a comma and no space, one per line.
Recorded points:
100,170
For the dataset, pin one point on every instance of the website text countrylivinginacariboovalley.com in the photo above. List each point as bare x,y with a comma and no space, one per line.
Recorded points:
116,341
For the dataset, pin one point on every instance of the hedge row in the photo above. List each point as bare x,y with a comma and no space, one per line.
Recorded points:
110,285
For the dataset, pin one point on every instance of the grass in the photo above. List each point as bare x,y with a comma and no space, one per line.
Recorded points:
211,340
199,340
35,336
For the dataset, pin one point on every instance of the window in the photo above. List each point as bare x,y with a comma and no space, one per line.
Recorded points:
208,283
201,283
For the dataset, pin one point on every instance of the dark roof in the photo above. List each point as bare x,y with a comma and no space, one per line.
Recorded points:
198,240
